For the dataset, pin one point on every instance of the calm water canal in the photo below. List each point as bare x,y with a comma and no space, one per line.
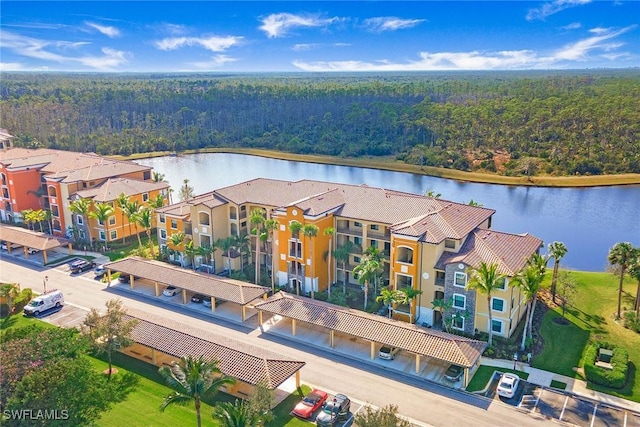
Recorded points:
588,220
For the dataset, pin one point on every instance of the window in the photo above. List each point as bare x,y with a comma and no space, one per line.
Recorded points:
356,259
243,208
373,243
80,220
295,248
203,218
404,254
357,224
174,224
457,322
357,241
55,211
450,244
146,175
163,219
102,236
5,193
497,304
163,233
52,192
459,301
502,284
145,197
375,227
112,220
460,279
496,326
113,234
243,224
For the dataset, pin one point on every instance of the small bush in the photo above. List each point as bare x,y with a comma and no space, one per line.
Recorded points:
22,299
614,378
631,321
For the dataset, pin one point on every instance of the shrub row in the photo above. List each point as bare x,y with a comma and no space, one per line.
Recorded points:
614,378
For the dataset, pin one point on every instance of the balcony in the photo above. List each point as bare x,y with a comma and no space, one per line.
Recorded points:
379,235
350,231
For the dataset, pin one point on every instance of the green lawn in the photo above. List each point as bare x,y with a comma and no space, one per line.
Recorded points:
484,374
592,317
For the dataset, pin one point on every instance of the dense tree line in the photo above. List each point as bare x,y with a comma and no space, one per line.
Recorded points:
508,122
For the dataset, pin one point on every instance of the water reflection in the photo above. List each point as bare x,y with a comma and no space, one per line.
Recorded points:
588,220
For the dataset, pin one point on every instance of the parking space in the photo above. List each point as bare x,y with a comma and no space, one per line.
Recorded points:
68,316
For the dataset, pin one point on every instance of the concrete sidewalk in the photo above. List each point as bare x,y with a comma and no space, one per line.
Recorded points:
575,386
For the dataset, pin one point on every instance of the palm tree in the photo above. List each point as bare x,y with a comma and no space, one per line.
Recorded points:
192,379
190,251
10,291
329,231
271,225
226,245
257,219
634,272
443,306
295,227
131,210
186,191
122,201
556,250
529,280
432,193
101,212
342,254
242,244
390,296
410,295
177,239
27,217
158,177
367,271
39,216
235,415
311,231
621,254
375,254
144,219
486,279
206,251
82,207
48,217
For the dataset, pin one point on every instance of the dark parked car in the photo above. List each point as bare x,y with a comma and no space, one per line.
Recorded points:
199,298
454,372
334,410
81,265
225,273
124,278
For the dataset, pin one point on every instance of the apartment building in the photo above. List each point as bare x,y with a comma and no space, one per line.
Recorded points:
49,179
427,244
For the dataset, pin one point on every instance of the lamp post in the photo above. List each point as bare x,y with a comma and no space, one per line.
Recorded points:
44,283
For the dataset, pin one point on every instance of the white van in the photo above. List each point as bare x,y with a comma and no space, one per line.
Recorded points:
44,302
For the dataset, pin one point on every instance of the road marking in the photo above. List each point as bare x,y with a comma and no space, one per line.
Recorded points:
537,400
593,416
566,399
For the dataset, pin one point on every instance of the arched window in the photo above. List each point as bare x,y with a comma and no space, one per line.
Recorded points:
52,191
404,254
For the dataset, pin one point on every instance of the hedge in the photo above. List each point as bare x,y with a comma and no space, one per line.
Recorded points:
614,378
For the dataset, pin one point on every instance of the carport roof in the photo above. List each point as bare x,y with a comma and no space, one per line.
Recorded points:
227,289
427,342
239,360
31,239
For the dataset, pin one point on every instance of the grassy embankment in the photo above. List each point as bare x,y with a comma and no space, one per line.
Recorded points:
591,316
387,163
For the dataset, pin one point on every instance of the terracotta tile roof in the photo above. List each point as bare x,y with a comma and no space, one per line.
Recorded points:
231,290
509,251
180,210
111,189
427,342
320,203
31,239
101,171
245,362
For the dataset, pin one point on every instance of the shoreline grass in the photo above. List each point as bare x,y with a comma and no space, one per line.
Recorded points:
390,164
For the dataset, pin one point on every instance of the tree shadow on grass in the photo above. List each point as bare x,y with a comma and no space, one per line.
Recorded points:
593,322
8,322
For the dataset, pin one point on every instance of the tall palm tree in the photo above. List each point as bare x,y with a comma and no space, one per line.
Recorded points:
192,379
556,250
39,216
122,201
226,244
82,207
311,232
621,254
375,254
144,219
529,280
257,219
207,252
102,212
410,294
177,239
235,415
390,296
27,217
131,210
342,254
271,225
634,272
444,306
186,191
48,217
190,251
367,271
158,177
329,231
242,244
486,279
295,227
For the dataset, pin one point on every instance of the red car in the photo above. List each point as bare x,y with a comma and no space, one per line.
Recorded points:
311,403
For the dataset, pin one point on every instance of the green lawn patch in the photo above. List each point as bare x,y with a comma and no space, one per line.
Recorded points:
282,416
484,374
20,321
558,384
563,346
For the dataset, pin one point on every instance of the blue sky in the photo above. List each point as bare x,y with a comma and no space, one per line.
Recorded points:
314,36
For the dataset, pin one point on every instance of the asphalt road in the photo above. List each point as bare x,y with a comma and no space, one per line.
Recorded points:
424,402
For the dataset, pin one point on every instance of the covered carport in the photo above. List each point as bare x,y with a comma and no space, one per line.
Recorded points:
160,341
16,237
420,342
162,274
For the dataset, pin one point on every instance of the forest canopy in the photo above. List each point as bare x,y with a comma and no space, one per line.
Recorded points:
510,123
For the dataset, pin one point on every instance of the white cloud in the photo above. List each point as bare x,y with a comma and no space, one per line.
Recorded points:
572,26
216,62
279,24
390,23
580,50
46,50
553,7
213,43
11,66
301,47
111,32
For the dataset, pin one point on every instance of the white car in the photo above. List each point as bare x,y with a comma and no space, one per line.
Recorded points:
170,291
388,353
508,385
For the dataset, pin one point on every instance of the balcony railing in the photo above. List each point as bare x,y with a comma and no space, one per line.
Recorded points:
350,231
